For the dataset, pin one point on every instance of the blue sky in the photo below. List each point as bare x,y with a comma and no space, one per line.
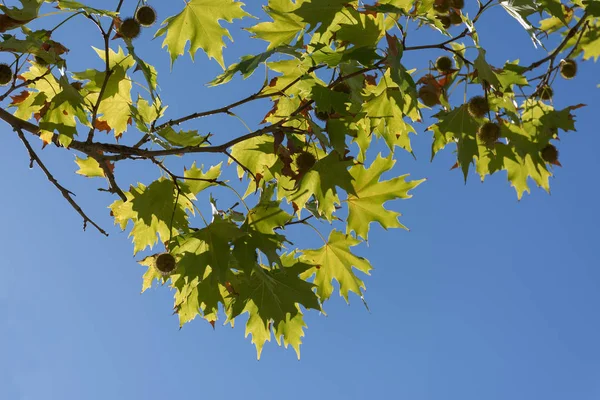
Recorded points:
486,297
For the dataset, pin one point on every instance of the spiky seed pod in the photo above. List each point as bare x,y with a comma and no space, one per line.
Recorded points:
455,18
443,64
165,263
489,133
130,28
441,6
429,95
445,20
342,87
145,15
478,106
546,93
322,115
457,4
305,161
568,69
550,154
6,74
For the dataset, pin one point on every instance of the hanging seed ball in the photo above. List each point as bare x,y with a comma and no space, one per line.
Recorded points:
342,87
165,263
130,28
568,69
478,106
441,6
443,64
455,18
546,93
305,161
457,4
6,74
145,15
489,133
550,154
322,115
428,94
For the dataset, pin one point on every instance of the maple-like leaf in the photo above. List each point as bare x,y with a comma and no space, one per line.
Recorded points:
29,10
321,181
116,100
321,12
272,297
199,24
155,211
61,113
285,26
335,261
367,205
89,167
460,127
196,180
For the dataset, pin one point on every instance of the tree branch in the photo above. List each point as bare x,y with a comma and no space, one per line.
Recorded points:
556,51
66,193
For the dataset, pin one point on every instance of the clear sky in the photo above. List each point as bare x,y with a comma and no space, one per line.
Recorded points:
485,298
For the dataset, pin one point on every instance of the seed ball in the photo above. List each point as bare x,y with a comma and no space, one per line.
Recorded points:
443,64
305,161
322,115
478,106
568,69
165,263
445,20
550,154
145,15
441,6
6,74
428,94
342,87
546,93
457,4
130,28
455,18
489,133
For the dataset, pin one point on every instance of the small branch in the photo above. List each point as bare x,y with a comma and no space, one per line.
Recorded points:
66,193
242,166
110,177
556,51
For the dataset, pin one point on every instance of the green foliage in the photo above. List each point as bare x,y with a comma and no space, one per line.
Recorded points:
337,80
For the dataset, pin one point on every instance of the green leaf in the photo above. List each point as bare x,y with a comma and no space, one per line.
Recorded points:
321,12
335,261
196,180
456,125
116,100
484,71
62,111
199,24
28,11
152,273
155,211
182,138
249,63
321,181
76,6
89,167
367,205
285,26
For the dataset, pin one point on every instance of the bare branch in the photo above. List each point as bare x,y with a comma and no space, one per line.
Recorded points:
66,193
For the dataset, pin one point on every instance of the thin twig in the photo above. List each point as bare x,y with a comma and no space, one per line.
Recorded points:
66,193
